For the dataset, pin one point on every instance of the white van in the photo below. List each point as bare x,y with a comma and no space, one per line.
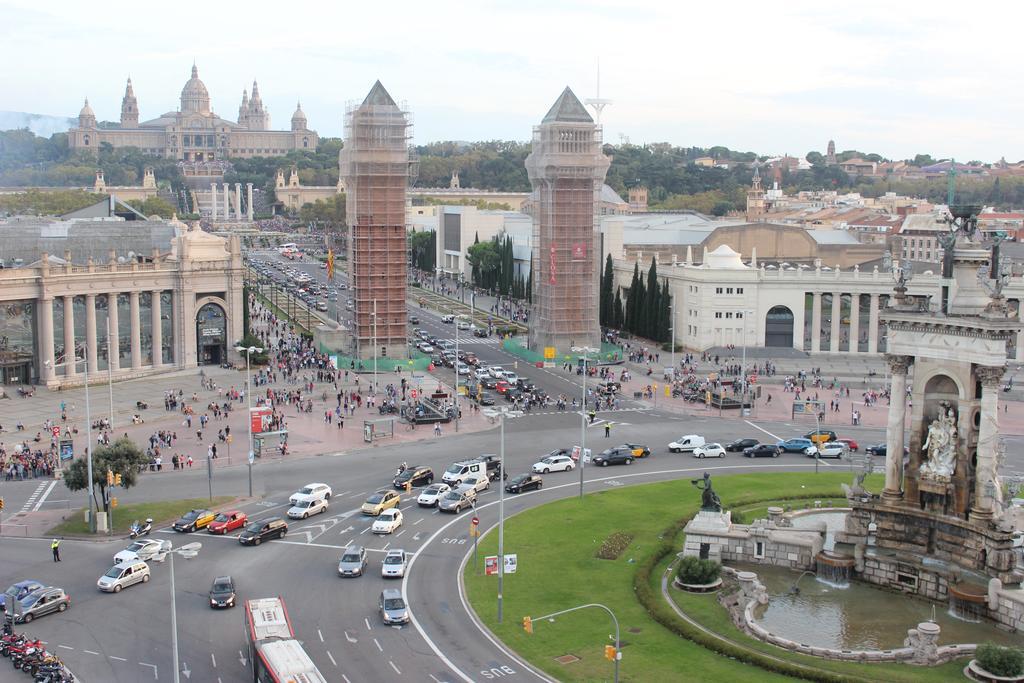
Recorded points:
458,472
123,575
686,443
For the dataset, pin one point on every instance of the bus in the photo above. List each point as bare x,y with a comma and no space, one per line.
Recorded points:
276,656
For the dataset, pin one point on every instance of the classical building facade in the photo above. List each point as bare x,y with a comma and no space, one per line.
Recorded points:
139,298
566,168
374,166
194,132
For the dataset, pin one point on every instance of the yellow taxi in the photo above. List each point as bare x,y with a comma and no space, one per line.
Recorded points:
380,501
638,450
194,520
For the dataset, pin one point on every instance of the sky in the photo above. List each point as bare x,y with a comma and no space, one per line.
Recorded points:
897,78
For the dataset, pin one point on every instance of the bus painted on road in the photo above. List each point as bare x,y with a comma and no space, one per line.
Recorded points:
276,656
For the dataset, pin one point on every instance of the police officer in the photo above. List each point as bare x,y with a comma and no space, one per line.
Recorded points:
55,547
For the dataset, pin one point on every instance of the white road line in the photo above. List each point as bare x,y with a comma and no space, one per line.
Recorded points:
214,660
364,531
400,533
350,638
32,498
345,678
377,643
155,675
777,438
331,658
386,545
66,647
46,494
394,667
320,633
90,652
368,627
418,521
120,659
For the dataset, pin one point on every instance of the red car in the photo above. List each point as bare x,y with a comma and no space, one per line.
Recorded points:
850,443
227,521
502,386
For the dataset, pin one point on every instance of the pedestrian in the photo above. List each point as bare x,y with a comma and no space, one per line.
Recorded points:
189,461
55,547
437,429
607,430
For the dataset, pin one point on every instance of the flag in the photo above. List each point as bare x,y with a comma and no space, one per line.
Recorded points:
330,264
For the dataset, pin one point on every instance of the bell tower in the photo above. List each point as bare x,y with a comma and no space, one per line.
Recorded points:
755,198
129,108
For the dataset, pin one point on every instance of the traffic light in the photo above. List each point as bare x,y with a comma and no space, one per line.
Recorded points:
609,652
113,502
1,503
528,624
110,478
117,479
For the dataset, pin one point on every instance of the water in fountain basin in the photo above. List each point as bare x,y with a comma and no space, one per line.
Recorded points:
965,610
831,575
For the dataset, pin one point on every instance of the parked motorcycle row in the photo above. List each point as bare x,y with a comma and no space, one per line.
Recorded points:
31,657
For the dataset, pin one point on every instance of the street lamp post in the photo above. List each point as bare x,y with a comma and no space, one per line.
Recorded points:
248,394
188,551
501,516
88,429
584,350
110,371
743,366
457,320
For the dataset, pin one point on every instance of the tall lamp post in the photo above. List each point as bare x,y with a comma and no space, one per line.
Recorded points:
583,350
743,366
88,430
188,551
248,395
501,514
458,319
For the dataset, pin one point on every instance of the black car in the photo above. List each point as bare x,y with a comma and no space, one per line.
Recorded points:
512,394
493,467
740,445
485,398
762,450
481,332
524,482
222,592
414,319
882,449
419,476
489,383
620,455
265,530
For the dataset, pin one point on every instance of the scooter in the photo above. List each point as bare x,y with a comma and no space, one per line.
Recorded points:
28,654
19,647
137,529
11,640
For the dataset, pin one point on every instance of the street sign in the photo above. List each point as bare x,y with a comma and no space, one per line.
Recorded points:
414,393
252,457
549,352
475,521
55,430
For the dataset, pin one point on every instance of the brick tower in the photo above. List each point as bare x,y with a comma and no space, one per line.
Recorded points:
566,169
375,165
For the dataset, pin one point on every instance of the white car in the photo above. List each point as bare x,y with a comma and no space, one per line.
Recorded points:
826,450
313,491
711,450
433,493
462,368
511,377
478,484
143,549
305,508
687,442
387,522
554,463
463,325
425,347
394,564
496,371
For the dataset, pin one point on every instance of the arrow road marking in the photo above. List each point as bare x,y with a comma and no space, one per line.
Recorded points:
185,670
242,659
350,638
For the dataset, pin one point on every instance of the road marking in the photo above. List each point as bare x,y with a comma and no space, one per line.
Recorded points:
394,667
214,660
120,659
42,498
364,531
66,647
400,533
386,546
35,494
416,537
349,638
90,652
320,633
331,658
242,658
377,643
367,621
345,678
777,438
418,521
155,675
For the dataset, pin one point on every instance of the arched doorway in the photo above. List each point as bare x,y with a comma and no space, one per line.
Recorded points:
211,335
778,327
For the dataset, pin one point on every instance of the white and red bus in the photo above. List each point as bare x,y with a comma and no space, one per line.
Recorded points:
276,656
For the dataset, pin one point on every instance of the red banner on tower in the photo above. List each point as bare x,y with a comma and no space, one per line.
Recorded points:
579,251
551,267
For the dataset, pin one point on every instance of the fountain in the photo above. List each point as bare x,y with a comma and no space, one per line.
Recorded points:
834,569
967,601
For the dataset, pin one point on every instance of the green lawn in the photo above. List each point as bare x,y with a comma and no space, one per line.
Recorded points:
162,512
557,569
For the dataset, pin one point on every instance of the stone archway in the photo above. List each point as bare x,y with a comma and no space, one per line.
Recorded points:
211,334
778,327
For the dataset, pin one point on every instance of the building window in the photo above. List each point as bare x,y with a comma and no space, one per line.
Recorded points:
718,290
739,314
739,290
729,315
718,314
728,290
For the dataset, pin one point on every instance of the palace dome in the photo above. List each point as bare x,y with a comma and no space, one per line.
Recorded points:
194,96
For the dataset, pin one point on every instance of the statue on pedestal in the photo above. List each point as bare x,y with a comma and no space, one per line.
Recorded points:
709,500
940,447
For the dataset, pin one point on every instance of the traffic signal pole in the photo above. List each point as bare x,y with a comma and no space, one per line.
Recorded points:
615,654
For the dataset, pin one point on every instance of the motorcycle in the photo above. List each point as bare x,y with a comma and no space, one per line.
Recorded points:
137,529
49,662
12,639
29,653
19,647
30,664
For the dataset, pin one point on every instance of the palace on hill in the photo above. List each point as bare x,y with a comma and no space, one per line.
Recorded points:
195,133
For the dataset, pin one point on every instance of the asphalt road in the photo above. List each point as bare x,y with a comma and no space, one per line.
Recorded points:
127,637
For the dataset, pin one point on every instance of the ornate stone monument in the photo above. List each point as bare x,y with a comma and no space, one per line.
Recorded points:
937,519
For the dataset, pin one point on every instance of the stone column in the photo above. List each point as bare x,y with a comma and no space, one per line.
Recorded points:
816,322
895,428
158,332
69,336
227,202
985,473
1020,346
46,372
837,314
213,195
238,201
873,325
115,336
248,198
854,322
133,314
90,332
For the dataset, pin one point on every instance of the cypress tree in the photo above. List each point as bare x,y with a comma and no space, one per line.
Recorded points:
607,312
529,281
666,313
631,299
652,308
619,315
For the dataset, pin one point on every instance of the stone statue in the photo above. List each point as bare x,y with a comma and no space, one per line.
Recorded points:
709,500
940,447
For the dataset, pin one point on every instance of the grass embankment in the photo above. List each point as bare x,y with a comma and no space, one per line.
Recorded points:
558,568
162,512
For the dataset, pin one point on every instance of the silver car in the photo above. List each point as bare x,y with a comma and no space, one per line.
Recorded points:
392,607
42,601
353,561
144,549
458,500
393,566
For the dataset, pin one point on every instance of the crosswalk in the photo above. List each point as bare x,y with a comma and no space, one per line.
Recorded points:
467,341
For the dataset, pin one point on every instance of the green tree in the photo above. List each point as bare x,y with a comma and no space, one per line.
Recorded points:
122,457
632,299
329,212
607,284
153,206
423,248
652,305
619,318
486,261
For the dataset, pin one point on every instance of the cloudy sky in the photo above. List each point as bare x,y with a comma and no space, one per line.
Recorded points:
893,77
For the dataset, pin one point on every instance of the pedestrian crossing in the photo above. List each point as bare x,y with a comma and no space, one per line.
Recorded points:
468,341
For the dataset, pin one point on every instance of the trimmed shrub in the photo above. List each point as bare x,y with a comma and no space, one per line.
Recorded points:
1000,661
698,572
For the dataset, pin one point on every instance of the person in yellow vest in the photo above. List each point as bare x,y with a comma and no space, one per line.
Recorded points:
55,547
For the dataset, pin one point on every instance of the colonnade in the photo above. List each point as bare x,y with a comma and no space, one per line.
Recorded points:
222,209
833,343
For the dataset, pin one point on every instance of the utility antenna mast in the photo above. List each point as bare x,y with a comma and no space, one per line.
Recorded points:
597,103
